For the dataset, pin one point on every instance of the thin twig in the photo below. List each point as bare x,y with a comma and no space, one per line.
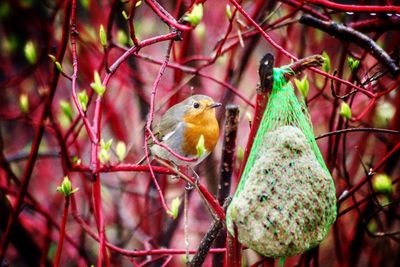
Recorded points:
348,34
356,8
378,130
208,240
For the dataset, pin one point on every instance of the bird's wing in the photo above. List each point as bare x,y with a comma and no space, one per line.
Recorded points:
167,125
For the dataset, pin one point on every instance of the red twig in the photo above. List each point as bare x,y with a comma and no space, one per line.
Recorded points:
135,49
165,16
149,123
74,33
123,168
355,8
266,36
62,232
365,179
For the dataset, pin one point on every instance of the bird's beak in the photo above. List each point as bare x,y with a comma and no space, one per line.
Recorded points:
215,105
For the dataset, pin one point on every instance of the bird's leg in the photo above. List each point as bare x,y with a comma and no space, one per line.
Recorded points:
196,179
176,168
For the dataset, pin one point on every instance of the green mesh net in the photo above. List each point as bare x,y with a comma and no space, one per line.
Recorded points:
285,202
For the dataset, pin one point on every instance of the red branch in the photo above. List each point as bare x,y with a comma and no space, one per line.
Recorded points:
149,122
365,179
355,8
62,232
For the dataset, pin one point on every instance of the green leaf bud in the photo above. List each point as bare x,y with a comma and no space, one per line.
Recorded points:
83,99
303,86
106,145
23,103
97,85
66,108
194,17
327,62
353,63
382,184
200,147
176,202
30,52
228,11
345,110
104,156
120,150
103,36
66,187
126,17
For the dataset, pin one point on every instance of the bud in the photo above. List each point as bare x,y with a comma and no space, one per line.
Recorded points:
240,153
126,17
228,12
382,184
66,187
104,156
103,36
327,62
384,113
353,63
76,161
30,52
106,145
120,150
200,147
176,202
58,66
23,103
66,108
52,58
83,99
97,85
85,3
303,86
345,110
194,17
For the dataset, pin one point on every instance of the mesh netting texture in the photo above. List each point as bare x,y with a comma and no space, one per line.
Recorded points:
285,202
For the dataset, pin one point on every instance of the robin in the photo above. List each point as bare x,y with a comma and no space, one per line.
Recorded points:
181,127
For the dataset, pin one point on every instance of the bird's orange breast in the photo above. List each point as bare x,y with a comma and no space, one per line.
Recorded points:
204,124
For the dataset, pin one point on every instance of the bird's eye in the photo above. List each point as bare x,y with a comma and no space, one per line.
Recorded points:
196,105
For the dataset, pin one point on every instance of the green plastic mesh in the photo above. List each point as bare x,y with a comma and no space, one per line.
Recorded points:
285,202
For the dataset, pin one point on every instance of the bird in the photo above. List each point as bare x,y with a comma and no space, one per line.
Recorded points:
181,128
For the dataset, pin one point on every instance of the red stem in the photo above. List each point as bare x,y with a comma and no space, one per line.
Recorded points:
149,122
62,232
75,74
355,8
166,17
123,168
366,178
